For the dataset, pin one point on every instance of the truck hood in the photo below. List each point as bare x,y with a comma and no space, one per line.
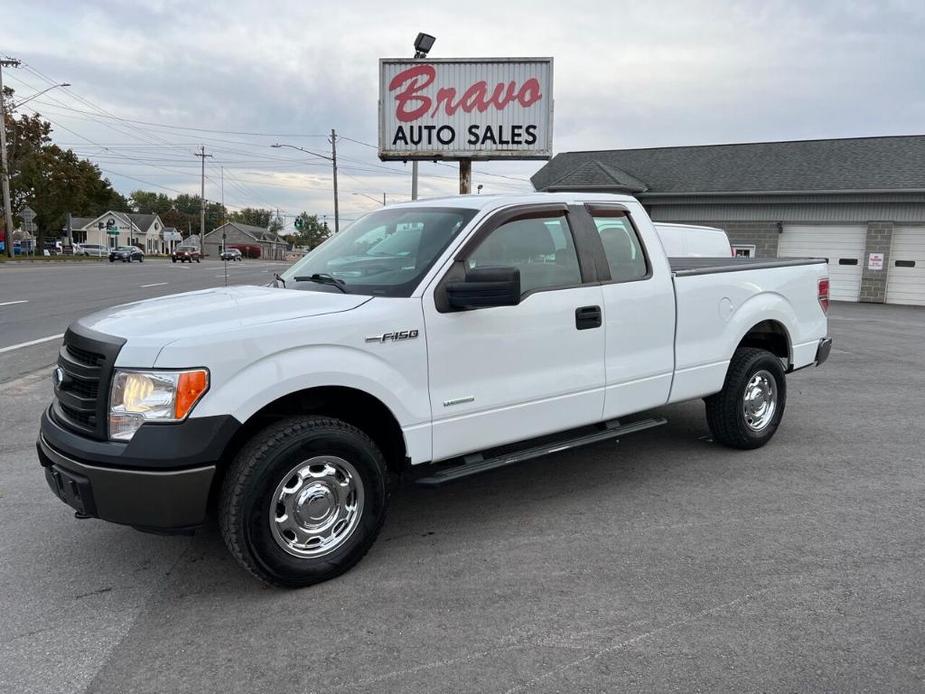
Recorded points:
215,310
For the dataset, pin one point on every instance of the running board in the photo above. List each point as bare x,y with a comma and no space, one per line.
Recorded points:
477,462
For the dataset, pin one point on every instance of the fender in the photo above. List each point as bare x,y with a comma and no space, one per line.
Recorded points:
761,307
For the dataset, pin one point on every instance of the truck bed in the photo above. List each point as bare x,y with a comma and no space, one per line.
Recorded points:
683,267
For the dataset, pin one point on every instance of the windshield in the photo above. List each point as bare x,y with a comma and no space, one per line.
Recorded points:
385,253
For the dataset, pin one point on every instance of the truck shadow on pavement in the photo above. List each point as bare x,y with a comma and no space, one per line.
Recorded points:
508,505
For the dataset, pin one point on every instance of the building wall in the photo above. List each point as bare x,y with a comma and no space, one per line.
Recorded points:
763,235
213,240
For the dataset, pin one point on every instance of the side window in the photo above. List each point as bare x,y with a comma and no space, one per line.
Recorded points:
621,246
541,248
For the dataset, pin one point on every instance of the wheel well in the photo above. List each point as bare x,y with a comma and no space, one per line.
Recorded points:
771,336
353,406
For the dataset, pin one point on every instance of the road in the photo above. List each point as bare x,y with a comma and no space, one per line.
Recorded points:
662,562
39,300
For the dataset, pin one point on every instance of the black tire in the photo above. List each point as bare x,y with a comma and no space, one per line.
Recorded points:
141,259
249,487
173,260
726,415
112,260
197,260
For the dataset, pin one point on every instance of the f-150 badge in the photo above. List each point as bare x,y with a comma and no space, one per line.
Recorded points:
394,337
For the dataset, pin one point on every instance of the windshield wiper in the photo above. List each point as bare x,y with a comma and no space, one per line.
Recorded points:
323,278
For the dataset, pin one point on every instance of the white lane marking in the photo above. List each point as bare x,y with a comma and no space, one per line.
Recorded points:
155,284
10,303
31,342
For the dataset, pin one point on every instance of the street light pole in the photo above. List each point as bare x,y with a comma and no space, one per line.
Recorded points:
38,94
4,165
333,160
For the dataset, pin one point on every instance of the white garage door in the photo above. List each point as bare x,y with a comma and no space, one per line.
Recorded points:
842,245
905,283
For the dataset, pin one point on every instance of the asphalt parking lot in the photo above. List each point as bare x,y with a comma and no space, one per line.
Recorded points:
661,562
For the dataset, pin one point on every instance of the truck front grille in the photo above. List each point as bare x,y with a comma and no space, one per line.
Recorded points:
85,367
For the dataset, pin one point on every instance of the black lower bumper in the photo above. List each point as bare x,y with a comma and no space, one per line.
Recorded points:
822,351
170,500
159,481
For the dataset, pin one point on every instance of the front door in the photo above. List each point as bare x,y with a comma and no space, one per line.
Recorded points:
509,373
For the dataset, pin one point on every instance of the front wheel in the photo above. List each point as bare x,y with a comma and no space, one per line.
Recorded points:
197,260
747,411
304,501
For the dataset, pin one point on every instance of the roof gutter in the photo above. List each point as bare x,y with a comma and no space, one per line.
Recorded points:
862,191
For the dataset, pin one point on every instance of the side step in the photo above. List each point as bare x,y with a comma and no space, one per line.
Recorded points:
477,462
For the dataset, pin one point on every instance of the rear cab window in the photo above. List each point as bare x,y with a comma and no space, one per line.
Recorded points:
622,248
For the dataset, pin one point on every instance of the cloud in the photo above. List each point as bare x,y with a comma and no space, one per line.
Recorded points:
627,74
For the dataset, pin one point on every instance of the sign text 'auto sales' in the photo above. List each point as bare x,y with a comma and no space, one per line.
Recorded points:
494,108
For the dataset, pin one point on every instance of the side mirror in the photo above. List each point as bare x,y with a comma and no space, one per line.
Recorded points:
485,287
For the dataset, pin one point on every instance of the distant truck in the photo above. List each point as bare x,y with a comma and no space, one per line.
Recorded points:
186,254
693,241
487,331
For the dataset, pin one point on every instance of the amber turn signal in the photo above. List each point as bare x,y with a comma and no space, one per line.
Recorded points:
191,386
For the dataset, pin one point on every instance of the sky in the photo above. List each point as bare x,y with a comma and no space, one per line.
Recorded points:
154,80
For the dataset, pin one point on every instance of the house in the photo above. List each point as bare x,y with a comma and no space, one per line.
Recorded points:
860,202
272,245
122,229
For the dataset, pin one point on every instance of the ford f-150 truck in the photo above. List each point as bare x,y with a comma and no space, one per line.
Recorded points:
430,340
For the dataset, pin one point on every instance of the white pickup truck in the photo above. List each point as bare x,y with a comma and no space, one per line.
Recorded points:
430,340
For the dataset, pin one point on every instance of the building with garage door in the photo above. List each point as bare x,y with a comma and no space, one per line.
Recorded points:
859,202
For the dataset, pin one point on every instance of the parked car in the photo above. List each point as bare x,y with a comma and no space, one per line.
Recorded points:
294,405
691,241
231,254
126,254
93,249
52,248
185,254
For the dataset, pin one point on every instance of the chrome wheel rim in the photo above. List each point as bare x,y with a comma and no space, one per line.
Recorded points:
316,507
760,400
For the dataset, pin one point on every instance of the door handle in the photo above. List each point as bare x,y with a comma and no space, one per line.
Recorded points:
587,317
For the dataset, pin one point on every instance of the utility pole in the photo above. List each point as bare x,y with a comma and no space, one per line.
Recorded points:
202,200
334,163
383,200
414,180
4,165
465,176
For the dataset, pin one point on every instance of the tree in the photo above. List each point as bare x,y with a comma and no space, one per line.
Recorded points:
50,180
255,216
145,202
310,232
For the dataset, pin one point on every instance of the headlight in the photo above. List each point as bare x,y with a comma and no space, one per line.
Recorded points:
152,396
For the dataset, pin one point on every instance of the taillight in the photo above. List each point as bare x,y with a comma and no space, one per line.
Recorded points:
824,294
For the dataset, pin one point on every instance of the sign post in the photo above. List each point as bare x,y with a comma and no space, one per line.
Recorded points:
465,109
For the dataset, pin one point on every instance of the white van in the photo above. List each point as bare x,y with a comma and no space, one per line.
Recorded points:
691,241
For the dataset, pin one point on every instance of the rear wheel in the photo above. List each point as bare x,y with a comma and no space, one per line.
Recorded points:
747,411
197,260
173,260
304,501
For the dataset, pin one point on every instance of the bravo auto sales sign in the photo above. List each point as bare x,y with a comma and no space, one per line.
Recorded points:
484,108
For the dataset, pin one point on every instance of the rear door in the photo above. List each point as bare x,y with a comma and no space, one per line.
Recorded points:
639,309
509,373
